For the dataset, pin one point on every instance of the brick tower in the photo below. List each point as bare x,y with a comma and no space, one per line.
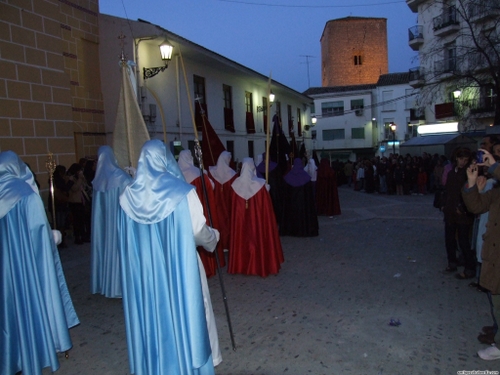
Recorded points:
353,51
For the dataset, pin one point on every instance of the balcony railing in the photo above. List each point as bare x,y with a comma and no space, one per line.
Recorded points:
417,114
447,22
445,66
413,4
476,61
416,77
482,10
482,105
415,37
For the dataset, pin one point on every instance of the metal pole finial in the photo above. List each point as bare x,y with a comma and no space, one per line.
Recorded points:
50,164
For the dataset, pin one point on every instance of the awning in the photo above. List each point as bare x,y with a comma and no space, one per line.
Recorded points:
442,144
440,139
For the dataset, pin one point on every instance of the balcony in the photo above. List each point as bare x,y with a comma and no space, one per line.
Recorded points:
483,11
482,107
417,114
476,62
447,23
413,4
415,37
416,77
446,67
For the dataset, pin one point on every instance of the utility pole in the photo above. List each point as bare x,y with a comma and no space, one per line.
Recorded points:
307,63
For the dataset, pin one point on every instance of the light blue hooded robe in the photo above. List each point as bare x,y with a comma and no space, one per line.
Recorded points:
36,310
162,296
108,184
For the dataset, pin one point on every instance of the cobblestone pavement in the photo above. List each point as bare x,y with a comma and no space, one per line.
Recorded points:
328,310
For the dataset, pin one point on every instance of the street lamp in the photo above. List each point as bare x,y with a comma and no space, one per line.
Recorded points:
393,130
262,108
166,55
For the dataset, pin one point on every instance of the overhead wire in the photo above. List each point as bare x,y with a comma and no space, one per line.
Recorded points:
309,6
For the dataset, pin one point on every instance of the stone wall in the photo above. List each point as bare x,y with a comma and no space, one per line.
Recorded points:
50,90
354,51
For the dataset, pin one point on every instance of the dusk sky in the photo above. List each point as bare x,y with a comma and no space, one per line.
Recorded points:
271,36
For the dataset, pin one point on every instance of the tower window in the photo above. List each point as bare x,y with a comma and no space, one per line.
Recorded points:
357,60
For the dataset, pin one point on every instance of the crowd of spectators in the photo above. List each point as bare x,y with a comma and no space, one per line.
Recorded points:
73,199
394,174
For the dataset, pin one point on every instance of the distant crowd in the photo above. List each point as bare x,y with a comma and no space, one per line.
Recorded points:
393,174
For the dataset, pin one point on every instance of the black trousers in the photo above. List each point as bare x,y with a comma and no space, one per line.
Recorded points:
458,236
78,214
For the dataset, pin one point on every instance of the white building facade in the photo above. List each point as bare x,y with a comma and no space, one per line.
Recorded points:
457,43
233,97
353,122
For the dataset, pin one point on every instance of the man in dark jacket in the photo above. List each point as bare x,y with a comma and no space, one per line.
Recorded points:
457,220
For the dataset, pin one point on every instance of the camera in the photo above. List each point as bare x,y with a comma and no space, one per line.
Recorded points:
479,157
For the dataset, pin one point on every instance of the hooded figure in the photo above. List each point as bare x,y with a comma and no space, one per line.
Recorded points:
165,309
108,184
192,175
37,310
327,195
255,244
223,176
299,210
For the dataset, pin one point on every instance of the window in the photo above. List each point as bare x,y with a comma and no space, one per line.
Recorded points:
278,109
488,95
357,104
199,89
358,133
450,62
388,103
332,108
264,113
250,149
248,101
228,108
290,119
199,100
412,130
299,123
228,102
249,121
387,128
230,148
409,99
313,134
357,60
332,134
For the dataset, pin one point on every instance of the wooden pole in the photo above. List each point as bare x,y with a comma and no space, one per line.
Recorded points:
268,118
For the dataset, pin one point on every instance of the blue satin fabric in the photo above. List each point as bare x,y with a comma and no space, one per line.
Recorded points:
161,287
36,309
147,200
108,184
108,174
13,171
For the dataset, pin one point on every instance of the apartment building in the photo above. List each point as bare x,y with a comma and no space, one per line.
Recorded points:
359,121
458,45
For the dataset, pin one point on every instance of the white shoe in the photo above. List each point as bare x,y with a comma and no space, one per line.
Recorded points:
489,354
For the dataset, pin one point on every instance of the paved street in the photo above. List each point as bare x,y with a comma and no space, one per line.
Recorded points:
328,310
